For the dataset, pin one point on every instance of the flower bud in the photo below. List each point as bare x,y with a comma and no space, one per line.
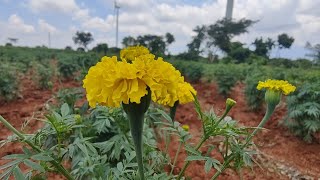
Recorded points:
78,119
185,127
273,97
230,103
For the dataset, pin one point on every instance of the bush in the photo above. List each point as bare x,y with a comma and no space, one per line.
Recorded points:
67,67
303,117
254,97
193,71
43,76
8,82
226,79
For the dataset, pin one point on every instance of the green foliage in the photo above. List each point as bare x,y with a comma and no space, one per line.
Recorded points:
69,96
195,44
315,52
43,76
67,68
83,38
192,71
156,44
255,59
303,117
99,146
225,79
8,82
101,48
238,52
221,33
263,47
284,41
254,97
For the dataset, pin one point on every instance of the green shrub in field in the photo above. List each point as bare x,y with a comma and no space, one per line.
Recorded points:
254,97
193,71
43,76
226,80
69,96
67,67
303,117
8,82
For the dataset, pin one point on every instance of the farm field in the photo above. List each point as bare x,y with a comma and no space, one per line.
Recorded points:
43,81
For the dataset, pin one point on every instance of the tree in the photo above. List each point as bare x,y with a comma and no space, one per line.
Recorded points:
238,52
221,33
68,48
154,43
315,52
102,47
169,38
80,49
83,38
284,41
195,44
263,48
129,41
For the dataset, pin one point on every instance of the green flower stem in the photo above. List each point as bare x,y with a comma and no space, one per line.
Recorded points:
224,115
58,166
203,139
173,110
136,125
223,167
270,109
135,114
227,146
175,158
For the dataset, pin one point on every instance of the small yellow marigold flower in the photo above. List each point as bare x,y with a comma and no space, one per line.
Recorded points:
277,85
185,127
129,54
274,90
230,102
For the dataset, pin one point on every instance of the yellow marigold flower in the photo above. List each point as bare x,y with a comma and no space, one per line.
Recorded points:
110,82
163,80
185,91
185,127
277,85
129,54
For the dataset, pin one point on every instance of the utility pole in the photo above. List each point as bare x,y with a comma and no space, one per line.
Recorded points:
49,40
229,9
117,7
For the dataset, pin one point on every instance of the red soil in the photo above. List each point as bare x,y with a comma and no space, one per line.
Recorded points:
281,150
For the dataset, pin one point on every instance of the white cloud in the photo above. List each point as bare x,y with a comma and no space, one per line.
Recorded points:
17,24
44,26
69,7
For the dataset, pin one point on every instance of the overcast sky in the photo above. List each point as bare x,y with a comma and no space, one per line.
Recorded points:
31,20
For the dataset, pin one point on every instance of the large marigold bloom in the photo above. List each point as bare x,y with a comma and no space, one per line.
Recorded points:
163,80
110,82
277,85
185,91
129,54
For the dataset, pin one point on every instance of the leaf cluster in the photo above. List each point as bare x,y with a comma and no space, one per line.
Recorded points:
303,117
